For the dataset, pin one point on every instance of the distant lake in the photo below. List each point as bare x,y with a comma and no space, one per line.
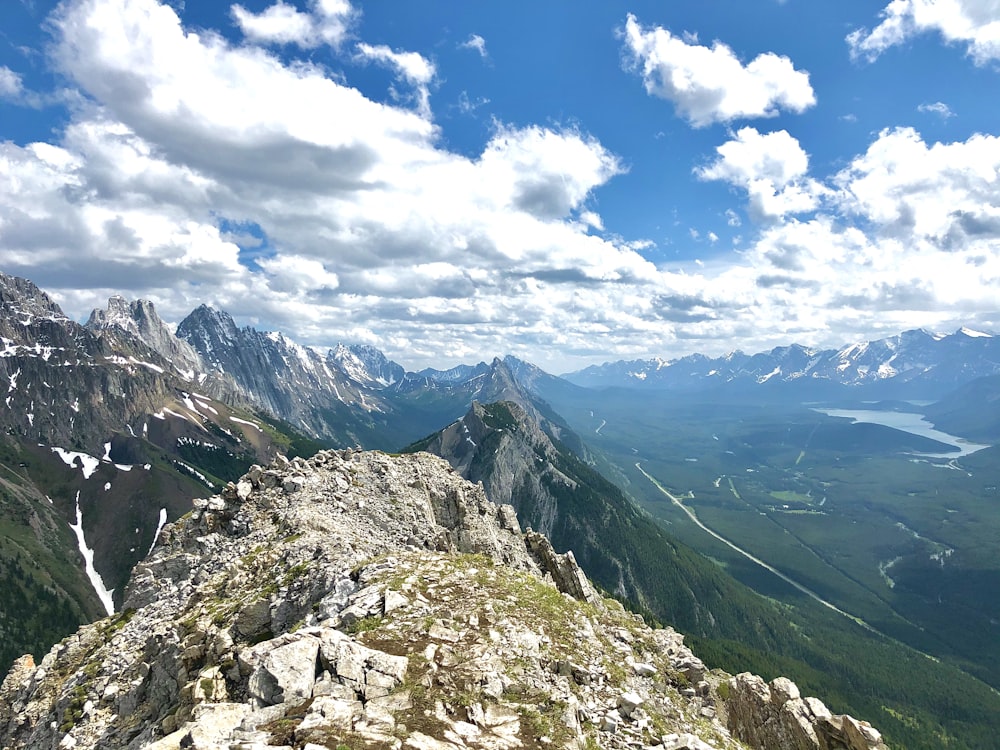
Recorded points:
908,422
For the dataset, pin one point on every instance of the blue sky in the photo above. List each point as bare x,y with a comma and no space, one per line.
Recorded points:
570,182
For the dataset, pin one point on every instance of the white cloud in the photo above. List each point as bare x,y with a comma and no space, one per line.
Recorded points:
943,194
371,224
772,169
328,22
280,23
412,67
975,23
710,84
545,173
477,43
938,108
376,231
10,83
298,275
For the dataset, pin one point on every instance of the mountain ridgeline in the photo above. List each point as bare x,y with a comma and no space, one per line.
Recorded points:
114,430
628,554
104,439
915,364
556,493
364,600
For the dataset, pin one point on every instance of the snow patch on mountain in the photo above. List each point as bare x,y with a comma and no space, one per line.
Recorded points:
974,334
937,362
366,365
88,464
159,527
103,593
246,422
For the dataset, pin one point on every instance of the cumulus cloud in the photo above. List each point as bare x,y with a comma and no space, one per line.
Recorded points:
771,167
711,84
974,23
907,234
371,225
186,149
328,22
545,173
945,194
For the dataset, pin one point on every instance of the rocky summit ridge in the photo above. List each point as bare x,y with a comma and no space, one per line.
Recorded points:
358,599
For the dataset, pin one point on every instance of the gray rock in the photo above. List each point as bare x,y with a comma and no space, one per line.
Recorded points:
493,669
293,484
243,490
628,703
644,670
775,716
393,601
254,619
286,670
328,714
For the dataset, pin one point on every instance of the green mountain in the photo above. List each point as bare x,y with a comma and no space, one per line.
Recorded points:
972,411
917,702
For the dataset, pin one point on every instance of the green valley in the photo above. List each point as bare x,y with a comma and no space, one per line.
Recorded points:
907,543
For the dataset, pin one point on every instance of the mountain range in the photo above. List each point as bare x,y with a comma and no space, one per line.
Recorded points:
116,428
914,364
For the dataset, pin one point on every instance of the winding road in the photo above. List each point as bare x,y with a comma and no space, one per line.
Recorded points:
795,584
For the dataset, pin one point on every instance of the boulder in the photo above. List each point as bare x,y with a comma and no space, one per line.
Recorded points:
286,670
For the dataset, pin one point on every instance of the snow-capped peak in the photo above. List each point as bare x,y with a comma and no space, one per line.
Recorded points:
974,334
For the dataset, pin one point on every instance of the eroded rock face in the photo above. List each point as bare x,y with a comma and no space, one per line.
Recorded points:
775,715
375,601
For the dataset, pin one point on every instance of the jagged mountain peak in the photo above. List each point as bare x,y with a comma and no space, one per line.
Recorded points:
912,364
972,333
206,320
457,374
139,319
22,301
366,365
270,371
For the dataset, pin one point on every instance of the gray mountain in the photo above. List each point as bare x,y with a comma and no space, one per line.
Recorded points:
912,364
67,386
101,442
366,365
363,600
972,411
457,374
512,451
140,320
292,382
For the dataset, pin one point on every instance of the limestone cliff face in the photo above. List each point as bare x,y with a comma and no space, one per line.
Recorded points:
139,320
266,370
501,446
365,600
64,385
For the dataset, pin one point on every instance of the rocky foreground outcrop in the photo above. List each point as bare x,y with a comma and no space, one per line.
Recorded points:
362,600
